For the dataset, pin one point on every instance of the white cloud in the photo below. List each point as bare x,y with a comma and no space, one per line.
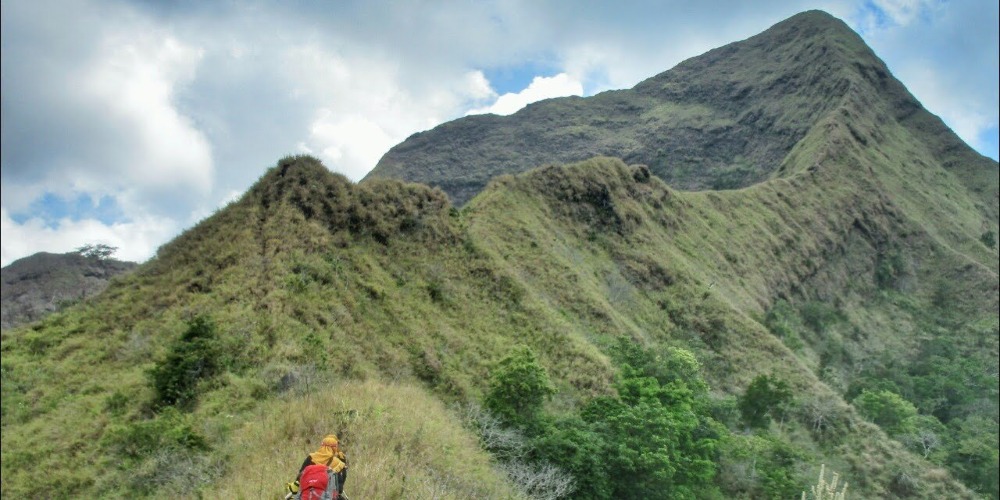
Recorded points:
90,105
541,87
353,143
136,241
134,82
903,12
363,105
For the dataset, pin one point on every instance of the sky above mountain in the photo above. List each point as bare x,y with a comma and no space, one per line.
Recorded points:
126,122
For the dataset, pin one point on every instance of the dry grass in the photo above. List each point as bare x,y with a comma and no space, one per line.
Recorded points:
400,441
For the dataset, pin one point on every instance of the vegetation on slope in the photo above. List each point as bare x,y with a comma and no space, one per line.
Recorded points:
312,287
722,120
841,312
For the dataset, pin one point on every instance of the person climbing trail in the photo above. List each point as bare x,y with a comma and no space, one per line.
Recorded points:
322,474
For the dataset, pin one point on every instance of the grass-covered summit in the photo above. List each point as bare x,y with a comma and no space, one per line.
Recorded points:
840,311
725,119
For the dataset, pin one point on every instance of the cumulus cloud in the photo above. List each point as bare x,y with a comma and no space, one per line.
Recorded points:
96,112
541,87
150,144
136,240
363,105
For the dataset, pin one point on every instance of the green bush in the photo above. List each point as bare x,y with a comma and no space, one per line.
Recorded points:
819,316
168,430
765,398
888,270
658,439
782,320
578,448
518,389
989,238
887,409
192,358
759,466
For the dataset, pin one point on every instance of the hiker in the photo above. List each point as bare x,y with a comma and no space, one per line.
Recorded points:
330,456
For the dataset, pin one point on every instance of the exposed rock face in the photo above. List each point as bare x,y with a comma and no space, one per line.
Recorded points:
43,283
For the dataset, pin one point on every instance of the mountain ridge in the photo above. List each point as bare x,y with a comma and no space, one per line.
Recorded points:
670,122
859,269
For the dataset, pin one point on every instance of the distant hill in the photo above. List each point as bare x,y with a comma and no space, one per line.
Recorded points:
726,119
852,280
45,282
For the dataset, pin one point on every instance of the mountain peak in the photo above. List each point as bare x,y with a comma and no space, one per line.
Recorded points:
722,120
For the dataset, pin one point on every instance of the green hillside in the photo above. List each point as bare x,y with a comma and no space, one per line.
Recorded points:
725,119
840,309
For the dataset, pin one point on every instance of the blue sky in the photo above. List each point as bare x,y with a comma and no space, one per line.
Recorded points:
125,123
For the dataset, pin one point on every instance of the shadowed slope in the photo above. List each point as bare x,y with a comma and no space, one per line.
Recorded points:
722,120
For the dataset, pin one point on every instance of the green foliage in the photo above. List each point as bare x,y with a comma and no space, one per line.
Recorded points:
169,430
766,398
782,320
116,403
518,388
192,358
666,365
887,409
819,316
650,439
580,449
989,238
759,466
888,270
973,454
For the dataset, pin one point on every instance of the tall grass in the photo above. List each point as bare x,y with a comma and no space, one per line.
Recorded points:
400,441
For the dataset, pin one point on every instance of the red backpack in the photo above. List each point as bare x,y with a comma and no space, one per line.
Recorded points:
317,482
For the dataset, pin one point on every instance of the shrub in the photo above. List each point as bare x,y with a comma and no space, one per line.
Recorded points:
170,430
819,316
765,398
989,238
192,358
518,388
887,409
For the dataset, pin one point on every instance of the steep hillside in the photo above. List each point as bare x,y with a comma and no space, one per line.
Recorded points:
852,278
722,120
313,283
40,284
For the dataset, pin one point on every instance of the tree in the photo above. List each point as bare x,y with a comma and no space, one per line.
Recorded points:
519,388
765,398
192,358
658,440
577,447
886,408
924,434
98,251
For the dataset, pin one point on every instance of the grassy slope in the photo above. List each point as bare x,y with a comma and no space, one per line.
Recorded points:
309,277
380,285
721,120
